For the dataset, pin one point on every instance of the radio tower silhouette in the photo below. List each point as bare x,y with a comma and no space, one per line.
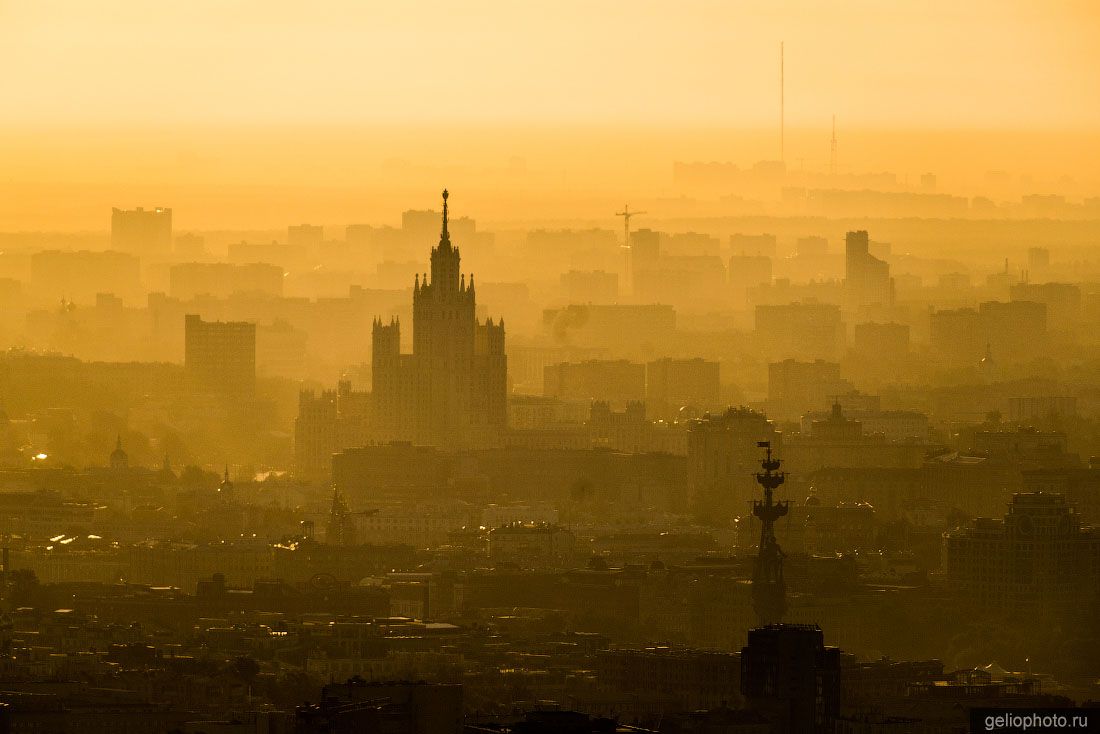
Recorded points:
769,590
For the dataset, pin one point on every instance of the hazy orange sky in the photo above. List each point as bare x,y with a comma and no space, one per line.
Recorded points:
125,102
1002,63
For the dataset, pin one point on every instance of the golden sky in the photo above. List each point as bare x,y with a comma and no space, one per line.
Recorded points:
943,63
247,113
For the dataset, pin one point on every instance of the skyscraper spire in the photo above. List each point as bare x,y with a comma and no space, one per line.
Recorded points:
445,236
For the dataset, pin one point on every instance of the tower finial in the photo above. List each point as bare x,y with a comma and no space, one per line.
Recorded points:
445,236
768,586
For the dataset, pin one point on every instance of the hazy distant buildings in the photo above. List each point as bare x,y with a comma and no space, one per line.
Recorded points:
689,244
220,280
1080,485
41,515
799,330
811,247
645,250
796,387
190,246
858,203
77,276
590,286
616,381
534,412
620,430
281,349
1062,301
619,327
889,342
1038,260
722,454
748,271
532,545
1041,411
305,235
894,425
956,335
675,268
371,472
1038,559
527,363
220,356
680,279
1013,330
836,440
672,384
753,244
1016,329
420,225
451,390
142,231
1025,445
269,253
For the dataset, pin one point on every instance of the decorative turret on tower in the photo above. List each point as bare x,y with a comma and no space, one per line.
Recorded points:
119,460
769,590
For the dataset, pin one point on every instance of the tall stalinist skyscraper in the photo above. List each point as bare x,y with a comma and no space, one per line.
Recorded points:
451,391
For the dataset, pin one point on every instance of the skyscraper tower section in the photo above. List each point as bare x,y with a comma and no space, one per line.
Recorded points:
451,391
769,590
867,279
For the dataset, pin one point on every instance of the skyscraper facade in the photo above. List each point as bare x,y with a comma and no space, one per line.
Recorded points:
451,391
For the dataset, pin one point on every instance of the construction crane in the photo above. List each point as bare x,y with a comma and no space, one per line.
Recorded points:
626,214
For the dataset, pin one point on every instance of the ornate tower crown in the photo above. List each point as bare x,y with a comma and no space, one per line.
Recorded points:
445,236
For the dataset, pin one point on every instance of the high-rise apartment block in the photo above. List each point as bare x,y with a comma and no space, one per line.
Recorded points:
866,277
220,356
141,230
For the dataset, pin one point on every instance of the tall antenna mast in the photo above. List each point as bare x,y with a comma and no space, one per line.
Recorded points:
832,151
782,111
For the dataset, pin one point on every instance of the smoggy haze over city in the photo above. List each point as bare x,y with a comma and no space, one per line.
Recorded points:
549,368
241,112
